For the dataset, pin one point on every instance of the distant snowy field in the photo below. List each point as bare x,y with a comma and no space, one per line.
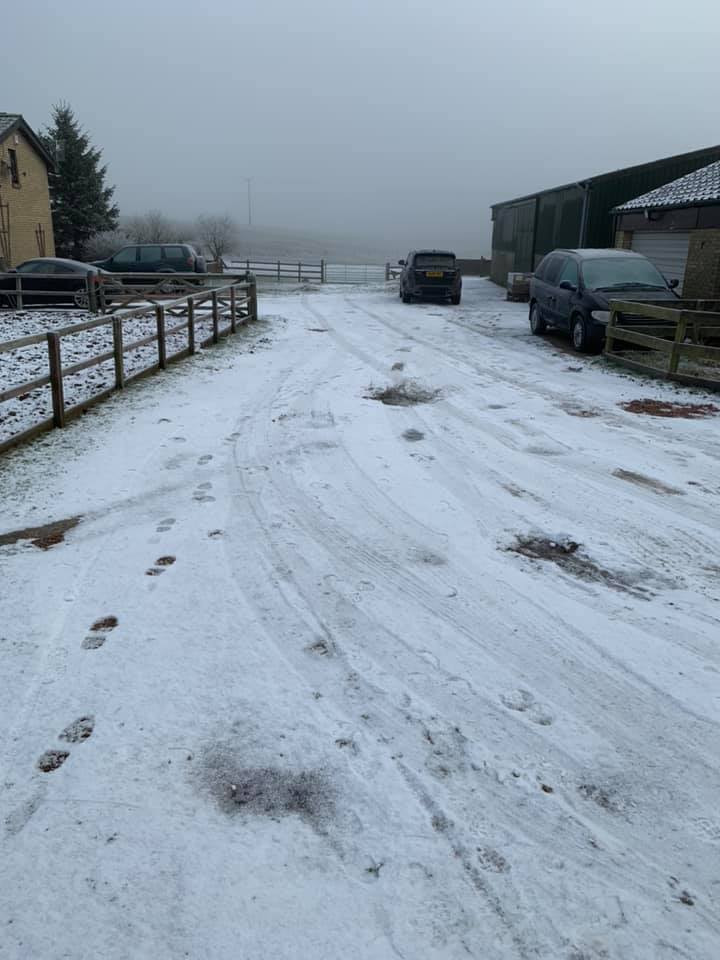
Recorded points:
319,676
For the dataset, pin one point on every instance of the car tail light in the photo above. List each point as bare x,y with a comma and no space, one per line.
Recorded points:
190,261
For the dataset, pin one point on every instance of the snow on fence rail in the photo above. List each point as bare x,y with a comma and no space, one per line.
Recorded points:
668,341
205,317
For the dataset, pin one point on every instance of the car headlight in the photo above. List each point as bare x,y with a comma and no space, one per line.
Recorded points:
602,316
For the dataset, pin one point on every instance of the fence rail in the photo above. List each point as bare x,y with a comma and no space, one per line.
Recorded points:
281,269
225,307
673,342
106,293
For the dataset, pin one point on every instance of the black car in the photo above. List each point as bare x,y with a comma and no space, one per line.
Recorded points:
65,283
430,275
155,258
572,289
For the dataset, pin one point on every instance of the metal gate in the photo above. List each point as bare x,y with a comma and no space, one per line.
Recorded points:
354,273
667,249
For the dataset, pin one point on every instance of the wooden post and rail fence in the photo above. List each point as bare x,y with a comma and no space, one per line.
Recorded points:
674,340
226,307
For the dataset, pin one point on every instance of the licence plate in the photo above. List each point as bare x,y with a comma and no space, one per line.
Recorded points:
433,273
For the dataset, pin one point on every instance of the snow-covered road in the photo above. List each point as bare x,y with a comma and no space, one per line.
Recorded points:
341,717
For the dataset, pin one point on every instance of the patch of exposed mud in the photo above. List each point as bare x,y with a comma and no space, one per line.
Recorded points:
269,791
642,481
403,394
43,537
566,554
604,796
104,623
664,408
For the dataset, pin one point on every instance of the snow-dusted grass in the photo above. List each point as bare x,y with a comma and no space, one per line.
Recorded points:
318,676
29,363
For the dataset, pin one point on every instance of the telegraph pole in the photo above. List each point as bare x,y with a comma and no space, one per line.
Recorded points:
248,181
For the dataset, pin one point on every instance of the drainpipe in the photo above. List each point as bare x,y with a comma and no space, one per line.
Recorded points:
585,187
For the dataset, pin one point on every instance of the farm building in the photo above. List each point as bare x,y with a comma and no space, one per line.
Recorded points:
677,226
577,214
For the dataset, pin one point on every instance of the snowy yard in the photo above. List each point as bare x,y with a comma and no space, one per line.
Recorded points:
316,676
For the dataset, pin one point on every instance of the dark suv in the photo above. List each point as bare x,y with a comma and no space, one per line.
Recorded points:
430,275
155,258
572,290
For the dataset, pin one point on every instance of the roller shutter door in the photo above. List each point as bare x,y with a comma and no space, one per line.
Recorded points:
667,249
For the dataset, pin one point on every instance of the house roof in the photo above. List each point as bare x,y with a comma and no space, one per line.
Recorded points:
15,121
694,189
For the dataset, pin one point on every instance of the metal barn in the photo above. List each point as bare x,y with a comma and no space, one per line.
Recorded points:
577,214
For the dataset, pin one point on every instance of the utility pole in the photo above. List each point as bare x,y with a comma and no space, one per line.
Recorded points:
248,181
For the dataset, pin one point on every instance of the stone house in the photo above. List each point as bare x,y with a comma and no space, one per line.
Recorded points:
26,228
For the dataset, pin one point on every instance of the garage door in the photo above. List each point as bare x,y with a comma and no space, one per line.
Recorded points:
667,250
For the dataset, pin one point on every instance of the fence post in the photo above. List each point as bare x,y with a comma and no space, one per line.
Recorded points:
162,353
102,303
609,331
233,321
91,294
18,291
322,271
299,272
387,271
118,351
56,379
216,328
252,300
680,333
278,269
191,325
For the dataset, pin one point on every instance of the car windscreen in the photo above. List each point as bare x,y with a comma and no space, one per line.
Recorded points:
622,273
441,261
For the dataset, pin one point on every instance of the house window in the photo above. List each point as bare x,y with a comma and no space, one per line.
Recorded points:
14,172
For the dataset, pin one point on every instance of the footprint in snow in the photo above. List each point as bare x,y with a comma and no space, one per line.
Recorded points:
523,701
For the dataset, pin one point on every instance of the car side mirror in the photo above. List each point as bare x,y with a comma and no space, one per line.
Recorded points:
401,263
566,285
674,283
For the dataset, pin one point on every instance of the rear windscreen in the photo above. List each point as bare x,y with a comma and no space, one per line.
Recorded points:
440,261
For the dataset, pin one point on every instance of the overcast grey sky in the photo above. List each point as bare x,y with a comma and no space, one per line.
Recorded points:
400,121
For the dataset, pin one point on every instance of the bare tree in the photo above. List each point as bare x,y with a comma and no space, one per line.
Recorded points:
153,227
218,233
104,244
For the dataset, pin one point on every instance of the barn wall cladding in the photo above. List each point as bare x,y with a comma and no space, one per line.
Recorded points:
576,214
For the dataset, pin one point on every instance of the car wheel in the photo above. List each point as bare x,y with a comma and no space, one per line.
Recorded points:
81,299
582,339
455,300
538,326
406,298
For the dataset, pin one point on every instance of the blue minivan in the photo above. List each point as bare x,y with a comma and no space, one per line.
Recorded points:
572,289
